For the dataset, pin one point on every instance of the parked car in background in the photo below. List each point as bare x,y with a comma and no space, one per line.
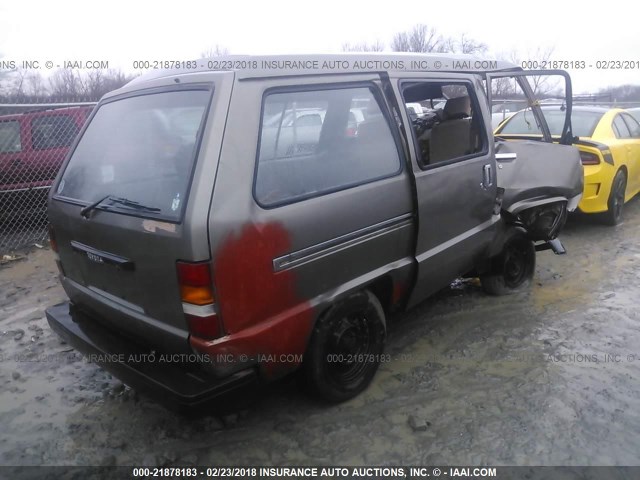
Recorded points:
270,236
504,109
499,117
609,144
33,146
298,130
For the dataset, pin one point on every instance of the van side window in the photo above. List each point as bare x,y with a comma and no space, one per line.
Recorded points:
53,131
316,142
448,127
10,137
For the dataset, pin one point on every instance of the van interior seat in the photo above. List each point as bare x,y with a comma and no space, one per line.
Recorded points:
458,107
373,128
451,137
376,147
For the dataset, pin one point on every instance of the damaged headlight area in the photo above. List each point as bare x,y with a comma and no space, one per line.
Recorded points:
544,222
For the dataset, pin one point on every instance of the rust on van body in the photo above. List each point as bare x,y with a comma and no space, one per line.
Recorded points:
262,314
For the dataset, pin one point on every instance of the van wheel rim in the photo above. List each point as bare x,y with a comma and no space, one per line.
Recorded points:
351,341
516,266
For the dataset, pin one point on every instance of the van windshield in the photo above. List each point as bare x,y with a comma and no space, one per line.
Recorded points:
141,148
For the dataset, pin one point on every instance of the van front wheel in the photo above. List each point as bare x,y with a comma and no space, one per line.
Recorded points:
513,269
345,348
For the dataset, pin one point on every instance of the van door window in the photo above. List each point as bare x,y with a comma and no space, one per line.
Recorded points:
10,137
316,142
53,131
539,104
449,127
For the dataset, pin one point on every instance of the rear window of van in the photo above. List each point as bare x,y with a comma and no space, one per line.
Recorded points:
140,148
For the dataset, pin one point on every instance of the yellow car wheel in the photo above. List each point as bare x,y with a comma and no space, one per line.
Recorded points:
613,215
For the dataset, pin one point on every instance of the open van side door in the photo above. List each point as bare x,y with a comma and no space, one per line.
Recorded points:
540,173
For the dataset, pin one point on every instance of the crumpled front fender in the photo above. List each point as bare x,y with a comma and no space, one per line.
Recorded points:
540,183
538,173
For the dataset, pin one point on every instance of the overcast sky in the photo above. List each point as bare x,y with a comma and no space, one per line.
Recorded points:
124,31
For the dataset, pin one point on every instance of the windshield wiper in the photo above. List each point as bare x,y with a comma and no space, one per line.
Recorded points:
123,201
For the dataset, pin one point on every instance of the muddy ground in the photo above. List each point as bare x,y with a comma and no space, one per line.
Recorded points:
547,377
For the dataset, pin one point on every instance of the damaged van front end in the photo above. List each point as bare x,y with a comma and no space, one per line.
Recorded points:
540,184
540,179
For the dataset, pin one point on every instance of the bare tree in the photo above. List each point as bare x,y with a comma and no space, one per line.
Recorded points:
447,45
422,39
471,46
114,79
92,83
419,39
621,93
19,82
96,83
376,46
400,42
503,88
506,90
4,74
215,51
35,85
542,85
65,82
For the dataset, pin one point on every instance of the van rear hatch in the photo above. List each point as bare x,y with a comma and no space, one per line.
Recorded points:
119,209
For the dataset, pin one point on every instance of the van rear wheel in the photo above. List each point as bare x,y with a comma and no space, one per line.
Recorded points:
513,269
345,348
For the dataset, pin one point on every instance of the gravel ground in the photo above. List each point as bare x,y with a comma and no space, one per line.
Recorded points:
546,377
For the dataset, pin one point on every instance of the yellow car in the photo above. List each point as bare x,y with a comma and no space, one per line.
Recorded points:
609,144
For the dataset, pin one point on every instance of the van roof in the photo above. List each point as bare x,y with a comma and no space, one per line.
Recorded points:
257,66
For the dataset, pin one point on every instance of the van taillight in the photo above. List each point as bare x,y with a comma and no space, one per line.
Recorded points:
589,158
198,304
52,239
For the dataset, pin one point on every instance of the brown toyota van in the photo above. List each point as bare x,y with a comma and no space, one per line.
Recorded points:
244,217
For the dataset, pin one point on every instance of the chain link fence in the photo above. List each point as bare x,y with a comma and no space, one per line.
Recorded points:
34,140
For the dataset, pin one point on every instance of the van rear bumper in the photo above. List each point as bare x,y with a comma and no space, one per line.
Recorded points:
171,383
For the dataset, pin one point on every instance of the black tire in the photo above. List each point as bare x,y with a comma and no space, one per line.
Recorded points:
513,269
615,204
345,348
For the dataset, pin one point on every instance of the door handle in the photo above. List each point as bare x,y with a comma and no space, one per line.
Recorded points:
506,157
487,178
